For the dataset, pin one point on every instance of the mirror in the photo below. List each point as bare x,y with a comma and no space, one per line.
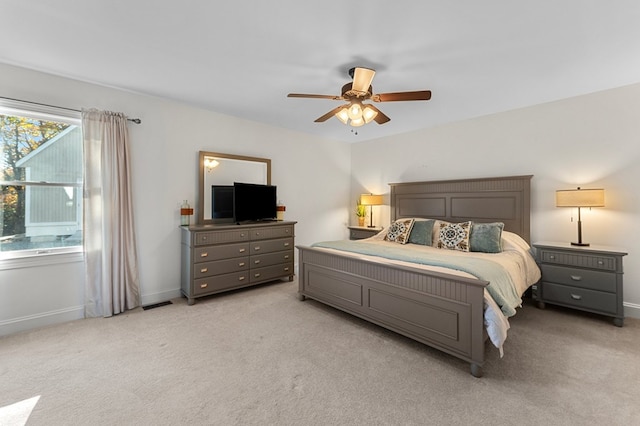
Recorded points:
225,169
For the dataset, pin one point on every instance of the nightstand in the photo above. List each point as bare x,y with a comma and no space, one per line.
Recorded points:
585,278
360,232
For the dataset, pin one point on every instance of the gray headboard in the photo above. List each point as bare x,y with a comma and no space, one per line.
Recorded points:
499,199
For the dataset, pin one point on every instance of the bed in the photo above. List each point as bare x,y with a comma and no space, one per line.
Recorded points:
434,304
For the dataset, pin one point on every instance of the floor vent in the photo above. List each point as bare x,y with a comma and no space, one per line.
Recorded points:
157,305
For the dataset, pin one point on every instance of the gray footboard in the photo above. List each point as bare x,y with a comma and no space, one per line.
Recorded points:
440,310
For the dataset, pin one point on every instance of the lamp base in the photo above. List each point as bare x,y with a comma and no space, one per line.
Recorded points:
580,244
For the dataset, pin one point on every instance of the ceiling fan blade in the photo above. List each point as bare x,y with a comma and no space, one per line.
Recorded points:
362,78
381,118
418,95
304,95
329,114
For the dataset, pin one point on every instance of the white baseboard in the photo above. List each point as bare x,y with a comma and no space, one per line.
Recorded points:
150,299
30,322
631,310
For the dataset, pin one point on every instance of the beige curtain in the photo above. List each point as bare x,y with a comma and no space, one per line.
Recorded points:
112,283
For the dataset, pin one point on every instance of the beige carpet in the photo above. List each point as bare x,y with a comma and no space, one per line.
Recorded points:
262,357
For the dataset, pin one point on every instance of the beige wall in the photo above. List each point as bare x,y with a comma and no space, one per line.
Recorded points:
590,141
164,150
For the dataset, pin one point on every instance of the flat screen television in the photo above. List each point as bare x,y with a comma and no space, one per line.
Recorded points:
254,202
222,202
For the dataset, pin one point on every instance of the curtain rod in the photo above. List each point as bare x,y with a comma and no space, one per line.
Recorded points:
133,120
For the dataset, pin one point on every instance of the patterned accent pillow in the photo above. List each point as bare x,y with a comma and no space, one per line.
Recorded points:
399,231
454,236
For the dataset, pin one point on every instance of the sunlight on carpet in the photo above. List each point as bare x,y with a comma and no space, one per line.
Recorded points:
17,414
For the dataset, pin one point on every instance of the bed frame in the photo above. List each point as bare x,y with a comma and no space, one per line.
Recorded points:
440,310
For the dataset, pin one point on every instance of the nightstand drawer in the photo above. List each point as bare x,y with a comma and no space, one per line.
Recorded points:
357,234
582,260
580,298
583,278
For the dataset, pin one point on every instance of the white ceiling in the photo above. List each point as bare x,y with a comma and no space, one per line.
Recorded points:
241,58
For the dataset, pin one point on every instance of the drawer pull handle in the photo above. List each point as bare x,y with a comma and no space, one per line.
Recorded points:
286,256
552,257
256,248
205,254
241,278
204,238
241,250
257,233
241,264
600,262
205,285
286,269
203,270
256,261
257,275
576,296
576,277
242,235
286,244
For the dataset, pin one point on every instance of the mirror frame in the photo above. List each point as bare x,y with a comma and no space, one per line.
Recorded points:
201,157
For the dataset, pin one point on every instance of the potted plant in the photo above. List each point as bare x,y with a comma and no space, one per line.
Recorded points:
361,212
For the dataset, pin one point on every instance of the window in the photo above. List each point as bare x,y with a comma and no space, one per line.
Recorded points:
40,180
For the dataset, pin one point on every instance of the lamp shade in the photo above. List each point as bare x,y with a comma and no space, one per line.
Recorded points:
370,200
580,198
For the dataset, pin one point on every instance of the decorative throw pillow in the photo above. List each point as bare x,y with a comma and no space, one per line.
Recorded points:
486,237
454,236
399,231
421,233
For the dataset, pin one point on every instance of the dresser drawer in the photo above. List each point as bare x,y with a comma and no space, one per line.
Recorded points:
584,278
259,247
580,298
271,272
220,282
205,254
217,267
271,232
221,237
269,259
583,260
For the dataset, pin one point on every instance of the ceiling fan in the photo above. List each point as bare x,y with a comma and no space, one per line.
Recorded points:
355,112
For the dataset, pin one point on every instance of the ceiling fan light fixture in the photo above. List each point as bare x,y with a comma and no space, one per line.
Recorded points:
343,115
369,114
355,111
357,122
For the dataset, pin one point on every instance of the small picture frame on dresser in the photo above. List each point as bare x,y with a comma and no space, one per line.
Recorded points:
587,278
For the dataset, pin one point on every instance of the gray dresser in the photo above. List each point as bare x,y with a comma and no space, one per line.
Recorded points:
586,278
217,258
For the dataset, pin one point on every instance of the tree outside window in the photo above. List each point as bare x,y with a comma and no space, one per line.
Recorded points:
40,184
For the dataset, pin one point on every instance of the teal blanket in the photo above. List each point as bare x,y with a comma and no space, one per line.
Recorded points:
500,287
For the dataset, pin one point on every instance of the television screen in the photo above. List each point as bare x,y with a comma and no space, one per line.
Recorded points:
222,202
253,202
